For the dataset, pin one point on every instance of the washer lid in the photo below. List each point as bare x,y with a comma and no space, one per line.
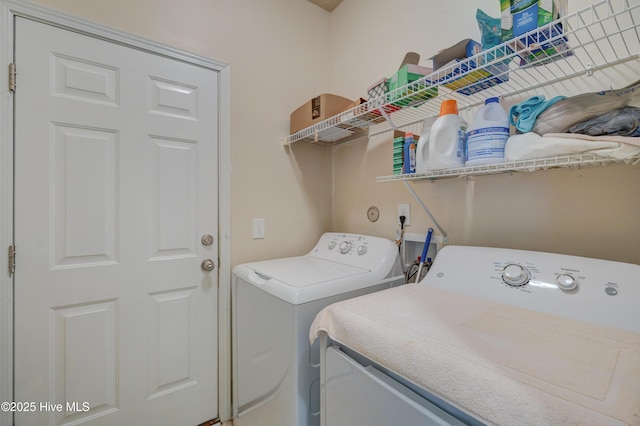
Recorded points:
303,271
303,279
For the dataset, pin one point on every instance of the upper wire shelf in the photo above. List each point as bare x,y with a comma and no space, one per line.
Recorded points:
605,34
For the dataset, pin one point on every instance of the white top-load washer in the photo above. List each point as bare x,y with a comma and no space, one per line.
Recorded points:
489,336
275,369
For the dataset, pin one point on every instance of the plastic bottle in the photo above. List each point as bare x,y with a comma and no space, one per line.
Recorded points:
409,153
446,142
487,135
422,148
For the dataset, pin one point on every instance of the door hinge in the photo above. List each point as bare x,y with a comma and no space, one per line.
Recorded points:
12,259
12,77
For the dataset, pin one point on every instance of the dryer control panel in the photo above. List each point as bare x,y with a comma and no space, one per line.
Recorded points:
363,251
592,290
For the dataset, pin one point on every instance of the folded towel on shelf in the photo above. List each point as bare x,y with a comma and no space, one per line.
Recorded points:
530,145
523,115
635,141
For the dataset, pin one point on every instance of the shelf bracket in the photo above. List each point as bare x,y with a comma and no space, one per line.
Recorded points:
589,70
386,117
445,237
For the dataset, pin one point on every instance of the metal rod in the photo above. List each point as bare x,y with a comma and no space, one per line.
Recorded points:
386,117
433,219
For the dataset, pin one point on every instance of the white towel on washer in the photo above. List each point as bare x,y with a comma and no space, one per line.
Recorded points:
501,364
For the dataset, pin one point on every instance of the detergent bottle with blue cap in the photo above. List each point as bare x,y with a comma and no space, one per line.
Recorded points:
487,135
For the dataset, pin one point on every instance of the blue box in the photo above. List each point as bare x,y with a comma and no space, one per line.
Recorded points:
473,80
544,45
463,75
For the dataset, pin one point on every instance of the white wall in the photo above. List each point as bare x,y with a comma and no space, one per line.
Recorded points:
590,212
369,38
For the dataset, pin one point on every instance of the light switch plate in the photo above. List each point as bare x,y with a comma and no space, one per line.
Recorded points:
258,228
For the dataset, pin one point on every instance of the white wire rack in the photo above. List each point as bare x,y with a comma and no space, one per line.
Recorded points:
568,161
603,35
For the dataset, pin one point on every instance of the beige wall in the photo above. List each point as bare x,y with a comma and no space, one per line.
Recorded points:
591,212
283,52
278,51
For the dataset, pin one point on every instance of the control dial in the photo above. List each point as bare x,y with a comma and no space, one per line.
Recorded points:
515,275
344,247
332,245
566,282
362,250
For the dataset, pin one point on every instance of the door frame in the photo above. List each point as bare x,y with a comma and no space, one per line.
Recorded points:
9,9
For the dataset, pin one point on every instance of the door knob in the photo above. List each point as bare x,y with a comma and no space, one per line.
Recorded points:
207,265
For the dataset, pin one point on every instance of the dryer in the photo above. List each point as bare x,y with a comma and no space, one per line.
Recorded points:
275,369
489,336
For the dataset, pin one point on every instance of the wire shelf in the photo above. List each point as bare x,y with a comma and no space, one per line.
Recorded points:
603,35
568,161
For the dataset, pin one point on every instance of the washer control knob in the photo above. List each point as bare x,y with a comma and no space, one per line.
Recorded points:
566,282
332,245
345,246
362,250
515,275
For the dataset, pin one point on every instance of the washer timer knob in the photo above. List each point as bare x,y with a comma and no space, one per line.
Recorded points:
566,282
362,250
344,247
515,275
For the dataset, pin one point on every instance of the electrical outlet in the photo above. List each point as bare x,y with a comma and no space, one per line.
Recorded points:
404,210
258,228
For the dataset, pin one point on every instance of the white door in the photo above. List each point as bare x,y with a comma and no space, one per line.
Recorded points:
115,185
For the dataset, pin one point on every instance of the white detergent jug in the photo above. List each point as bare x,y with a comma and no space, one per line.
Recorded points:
487,135
446,142
422,150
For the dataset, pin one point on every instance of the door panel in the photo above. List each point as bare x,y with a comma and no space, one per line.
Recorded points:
83,194
173,213
92,326
116,181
